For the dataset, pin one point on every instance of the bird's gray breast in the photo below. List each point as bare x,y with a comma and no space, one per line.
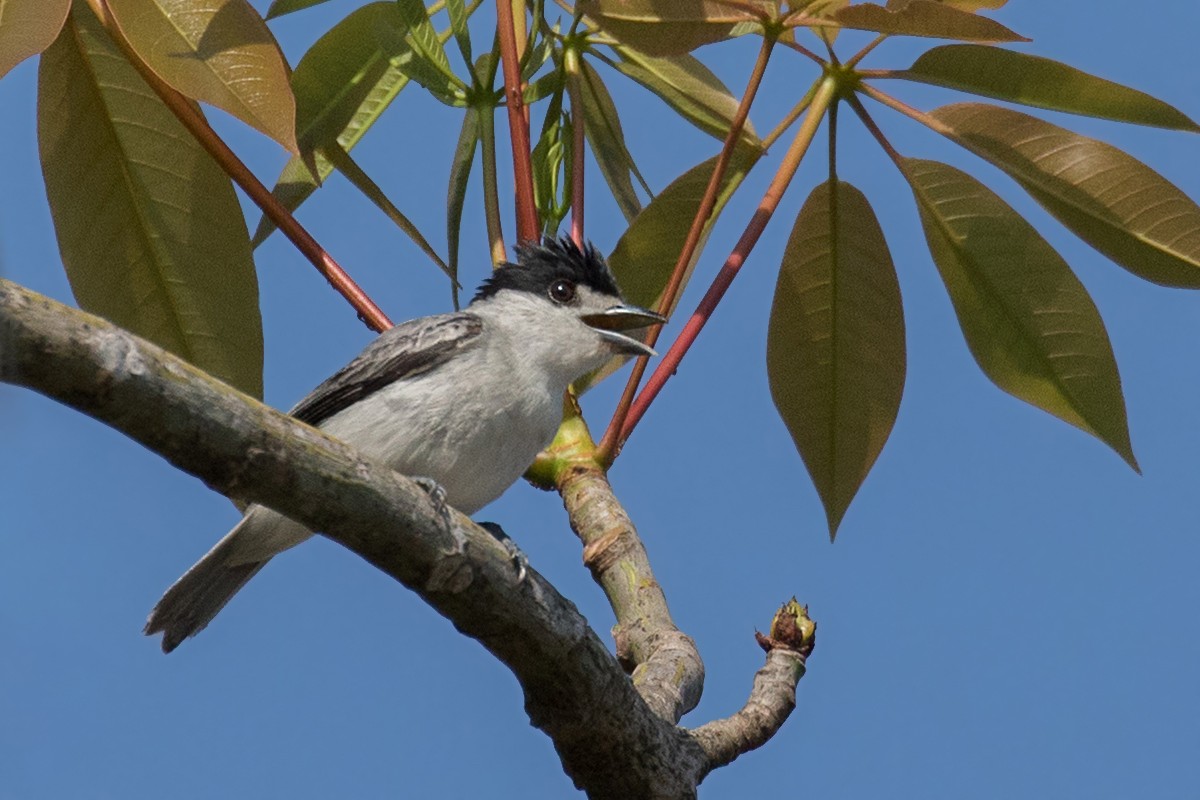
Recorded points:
474,423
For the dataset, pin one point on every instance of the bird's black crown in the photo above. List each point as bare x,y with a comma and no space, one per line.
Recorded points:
539,265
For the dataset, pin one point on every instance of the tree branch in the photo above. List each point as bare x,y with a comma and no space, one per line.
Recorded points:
611,742
664,662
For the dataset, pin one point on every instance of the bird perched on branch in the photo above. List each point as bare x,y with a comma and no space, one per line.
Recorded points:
463,401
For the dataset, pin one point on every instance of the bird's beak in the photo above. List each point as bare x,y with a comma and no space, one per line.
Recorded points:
610,322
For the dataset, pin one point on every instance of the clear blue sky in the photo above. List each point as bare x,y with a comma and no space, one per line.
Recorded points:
1008,611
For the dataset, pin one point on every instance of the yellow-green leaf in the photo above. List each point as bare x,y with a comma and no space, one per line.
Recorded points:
1027,319
27,27
835,344
219,52
149,228
665,27
1040,82
925,18
1106,197
280,7
685,84
342,84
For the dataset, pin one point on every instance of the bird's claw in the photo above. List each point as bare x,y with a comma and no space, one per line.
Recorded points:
515,554
437,494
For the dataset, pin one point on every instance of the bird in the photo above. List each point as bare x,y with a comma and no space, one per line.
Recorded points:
464,401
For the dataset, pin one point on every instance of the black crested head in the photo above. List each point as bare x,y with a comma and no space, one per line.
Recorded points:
539,265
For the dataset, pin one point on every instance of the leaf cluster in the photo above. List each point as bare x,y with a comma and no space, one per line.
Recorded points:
126,155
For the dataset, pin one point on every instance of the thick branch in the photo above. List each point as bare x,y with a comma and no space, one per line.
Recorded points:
665,663
610,742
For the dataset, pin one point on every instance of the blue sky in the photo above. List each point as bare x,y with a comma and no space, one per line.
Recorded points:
1008,610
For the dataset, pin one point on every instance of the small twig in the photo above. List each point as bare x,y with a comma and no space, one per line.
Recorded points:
194,121
927,120
771,702
611,442
861,54
804,51
518,124
758,223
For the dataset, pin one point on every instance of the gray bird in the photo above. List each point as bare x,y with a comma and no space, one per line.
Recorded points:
463,400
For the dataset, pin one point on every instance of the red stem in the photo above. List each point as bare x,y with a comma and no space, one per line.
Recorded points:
518,124
758,223
194,121
610,443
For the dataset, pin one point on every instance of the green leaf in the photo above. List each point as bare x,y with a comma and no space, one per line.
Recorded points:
835,343
372,191
602,126
149,228
646,253
689,87
1027,319
1106,197
925,18
341,71
665,27
219,52
343,84
280,7
27,27
551,182
426,44
456,192
1040,82
458,25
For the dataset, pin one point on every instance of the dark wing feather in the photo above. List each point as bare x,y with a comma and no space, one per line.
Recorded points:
408,349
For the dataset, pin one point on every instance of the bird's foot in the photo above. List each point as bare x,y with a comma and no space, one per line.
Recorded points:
518,558
437,494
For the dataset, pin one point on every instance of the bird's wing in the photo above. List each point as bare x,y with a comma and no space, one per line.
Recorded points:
408,349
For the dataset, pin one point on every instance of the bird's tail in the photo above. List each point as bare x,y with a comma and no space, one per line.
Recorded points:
192,602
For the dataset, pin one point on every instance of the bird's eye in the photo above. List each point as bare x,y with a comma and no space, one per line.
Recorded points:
562,291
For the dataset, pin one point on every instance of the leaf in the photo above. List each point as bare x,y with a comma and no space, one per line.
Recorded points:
149,228
965,5
551,182
27,27
646,253
835,343
1106,197
373,192
1040,82
280,7
219,52
426,44
341,70
1027,319
456,192
602,126
689,87
665,27
343,84
458,25
925,18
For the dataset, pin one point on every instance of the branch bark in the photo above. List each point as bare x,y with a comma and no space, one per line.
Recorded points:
611,742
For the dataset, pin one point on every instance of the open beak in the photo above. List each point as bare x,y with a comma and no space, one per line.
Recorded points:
610,322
